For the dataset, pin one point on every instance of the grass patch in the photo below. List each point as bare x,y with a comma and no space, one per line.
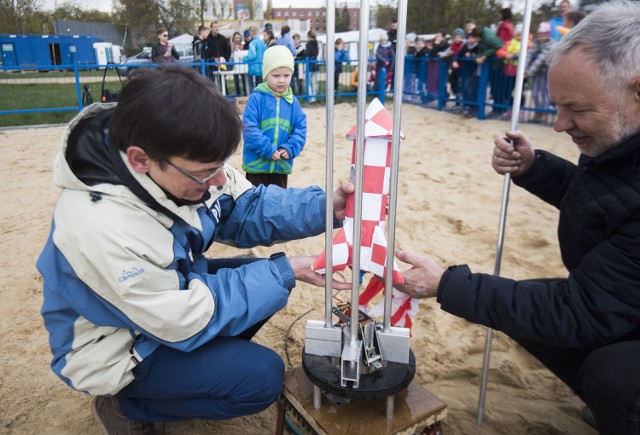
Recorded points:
58,102
53,103
58,73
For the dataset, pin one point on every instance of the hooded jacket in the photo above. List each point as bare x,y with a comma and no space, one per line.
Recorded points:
124,268
271,122
489,44
310,52
599,236
537,58
257,47
385,56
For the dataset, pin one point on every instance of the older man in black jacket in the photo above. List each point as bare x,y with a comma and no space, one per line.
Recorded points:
584,328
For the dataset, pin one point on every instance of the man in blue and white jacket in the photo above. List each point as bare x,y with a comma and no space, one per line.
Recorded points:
136,314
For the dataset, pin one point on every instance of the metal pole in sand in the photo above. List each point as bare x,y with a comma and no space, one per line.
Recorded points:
393,182
328,235
363,52
395,159
515,112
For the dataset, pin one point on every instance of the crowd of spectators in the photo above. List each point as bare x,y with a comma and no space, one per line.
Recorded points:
465,50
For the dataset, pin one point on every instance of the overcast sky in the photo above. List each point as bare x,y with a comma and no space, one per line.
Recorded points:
106,5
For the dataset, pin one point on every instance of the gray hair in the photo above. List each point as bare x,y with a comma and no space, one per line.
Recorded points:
610,36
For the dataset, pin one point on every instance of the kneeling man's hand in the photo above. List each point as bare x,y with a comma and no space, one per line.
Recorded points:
303,272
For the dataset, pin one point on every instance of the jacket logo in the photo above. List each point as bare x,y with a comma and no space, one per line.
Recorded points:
216,210
126,274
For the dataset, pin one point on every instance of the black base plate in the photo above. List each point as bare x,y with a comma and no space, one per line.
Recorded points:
324,372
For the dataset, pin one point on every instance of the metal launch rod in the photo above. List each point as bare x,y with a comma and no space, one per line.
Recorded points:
328,235
363,52
515,112
395,160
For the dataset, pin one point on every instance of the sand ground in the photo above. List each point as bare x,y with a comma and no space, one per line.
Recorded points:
449,203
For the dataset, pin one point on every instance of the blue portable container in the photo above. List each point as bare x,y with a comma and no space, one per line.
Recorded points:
46,50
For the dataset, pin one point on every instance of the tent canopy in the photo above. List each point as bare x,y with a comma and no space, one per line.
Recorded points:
184,39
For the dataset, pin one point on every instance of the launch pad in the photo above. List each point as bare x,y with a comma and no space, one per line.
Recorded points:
360,365
417,411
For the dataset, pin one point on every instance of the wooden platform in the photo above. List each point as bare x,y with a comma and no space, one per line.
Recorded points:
416,411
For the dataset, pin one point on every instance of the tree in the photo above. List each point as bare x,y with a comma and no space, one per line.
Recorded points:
386,12
145,16
24,16
428,16
257,13
342,19
222,9
72,12
267,12
202,7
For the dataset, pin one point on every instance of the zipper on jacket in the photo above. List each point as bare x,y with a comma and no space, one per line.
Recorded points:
276,133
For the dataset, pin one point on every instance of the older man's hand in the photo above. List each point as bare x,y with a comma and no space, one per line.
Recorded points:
512,154
423,279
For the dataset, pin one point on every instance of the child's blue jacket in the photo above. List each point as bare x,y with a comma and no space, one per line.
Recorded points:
269,123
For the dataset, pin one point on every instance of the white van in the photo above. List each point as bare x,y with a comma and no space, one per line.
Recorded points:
103,52
107,52
118,54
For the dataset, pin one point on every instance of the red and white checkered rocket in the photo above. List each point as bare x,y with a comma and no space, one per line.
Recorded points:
375,195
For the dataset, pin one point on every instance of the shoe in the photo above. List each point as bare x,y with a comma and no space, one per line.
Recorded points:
111,421
587,416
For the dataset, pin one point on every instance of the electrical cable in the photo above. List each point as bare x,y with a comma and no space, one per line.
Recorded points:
292,427
286,337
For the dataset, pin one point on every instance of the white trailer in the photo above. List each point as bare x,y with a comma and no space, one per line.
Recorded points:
107,53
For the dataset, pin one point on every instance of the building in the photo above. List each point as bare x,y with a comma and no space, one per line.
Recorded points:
318,16
46,50
103,31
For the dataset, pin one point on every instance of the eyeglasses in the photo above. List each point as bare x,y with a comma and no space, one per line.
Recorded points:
165,35
200,181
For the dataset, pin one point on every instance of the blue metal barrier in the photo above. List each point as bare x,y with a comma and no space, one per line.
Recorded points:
28,96
476,91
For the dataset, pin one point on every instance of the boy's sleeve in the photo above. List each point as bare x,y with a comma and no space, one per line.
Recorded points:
254,139
298,137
